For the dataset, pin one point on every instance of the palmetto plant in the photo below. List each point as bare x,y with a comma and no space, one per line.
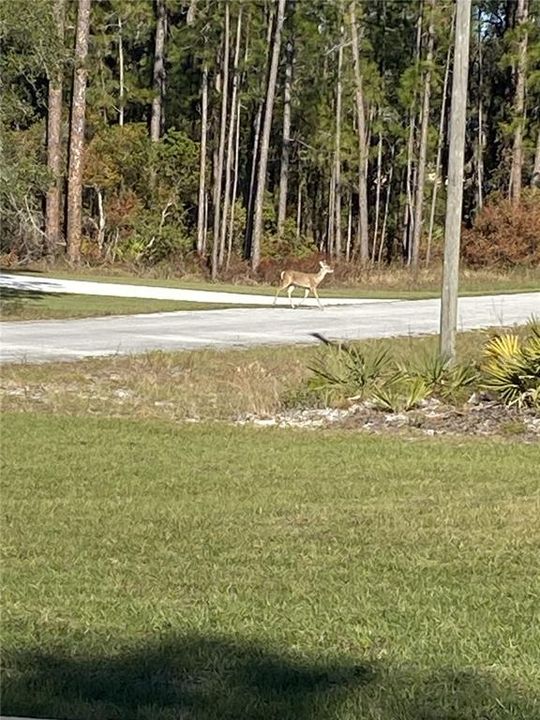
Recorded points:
511,368
344,371
442,378
404,395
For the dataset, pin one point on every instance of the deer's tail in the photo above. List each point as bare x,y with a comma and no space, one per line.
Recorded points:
282,274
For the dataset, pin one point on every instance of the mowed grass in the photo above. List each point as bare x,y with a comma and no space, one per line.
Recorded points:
395,282
27,305
154,571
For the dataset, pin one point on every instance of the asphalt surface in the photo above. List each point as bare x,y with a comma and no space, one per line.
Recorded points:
72,339
32,283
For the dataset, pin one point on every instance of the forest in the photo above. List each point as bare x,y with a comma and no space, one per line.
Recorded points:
225,135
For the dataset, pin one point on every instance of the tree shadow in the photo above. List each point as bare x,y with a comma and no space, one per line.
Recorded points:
190,677
13,300
198,678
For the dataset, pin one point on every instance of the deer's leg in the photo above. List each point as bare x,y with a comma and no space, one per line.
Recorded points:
289,293
306,293
317,296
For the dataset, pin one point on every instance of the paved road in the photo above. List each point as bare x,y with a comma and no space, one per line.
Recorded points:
39,284
71,339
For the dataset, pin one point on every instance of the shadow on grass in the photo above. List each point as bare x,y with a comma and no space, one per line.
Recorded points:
197,678
14,299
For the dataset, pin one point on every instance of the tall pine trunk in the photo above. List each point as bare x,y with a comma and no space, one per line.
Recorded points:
363,224
230,140
218,171
440,143
535,180
480,134
286,140
519,103
256,147
265,139
76,136
377,197
54,144
235,183
201,209
156,120
121,74
337,154
422,153
408,219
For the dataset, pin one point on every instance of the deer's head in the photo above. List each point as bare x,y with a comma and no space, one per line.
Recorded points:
325,268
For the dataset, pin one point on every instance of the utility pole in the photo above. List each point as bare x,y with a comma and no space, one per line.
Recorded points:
454,200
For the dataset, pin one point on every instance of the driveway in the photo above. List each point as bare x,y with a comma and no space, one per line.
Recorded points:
71,339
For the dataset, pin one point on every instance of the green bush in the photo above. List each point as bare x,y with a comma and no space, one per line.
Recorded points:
511,368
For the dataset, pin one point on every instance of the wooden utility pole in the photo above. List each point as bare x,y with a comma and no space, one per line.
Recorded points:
454,201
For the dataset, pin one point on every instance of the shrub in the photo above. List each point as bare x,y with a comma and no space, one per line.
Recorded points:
345,373
503,235
511,368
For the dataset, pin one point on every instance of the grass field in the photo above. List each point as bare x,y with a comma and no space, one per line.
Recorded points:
155,571
21,305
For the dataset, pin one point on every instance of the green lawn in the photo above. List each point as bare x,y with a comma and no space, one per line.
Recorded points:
159,571
27,305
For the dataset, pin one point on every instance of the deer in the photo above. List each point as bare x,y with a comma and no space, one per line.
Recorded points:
292,279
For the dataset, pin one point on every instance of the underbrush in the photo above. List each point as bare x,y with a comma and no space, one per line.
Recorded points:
507,370
505,236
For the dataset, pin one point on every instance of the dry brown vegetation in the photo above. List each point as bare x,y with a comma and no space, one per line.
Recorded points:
504,235
205,384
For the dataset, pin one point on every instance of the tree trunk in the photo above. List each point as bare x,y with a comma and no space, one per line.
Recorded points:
286,141
235,183
76,137
349,230
535,180
121,73
192,10
265,139
330,237
408,219
377,198
159,72
299,206
422,154
201,214
386,208
363,225
519,104
439,149
54,145
337,158
230,140
255,152
221,147
101,222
